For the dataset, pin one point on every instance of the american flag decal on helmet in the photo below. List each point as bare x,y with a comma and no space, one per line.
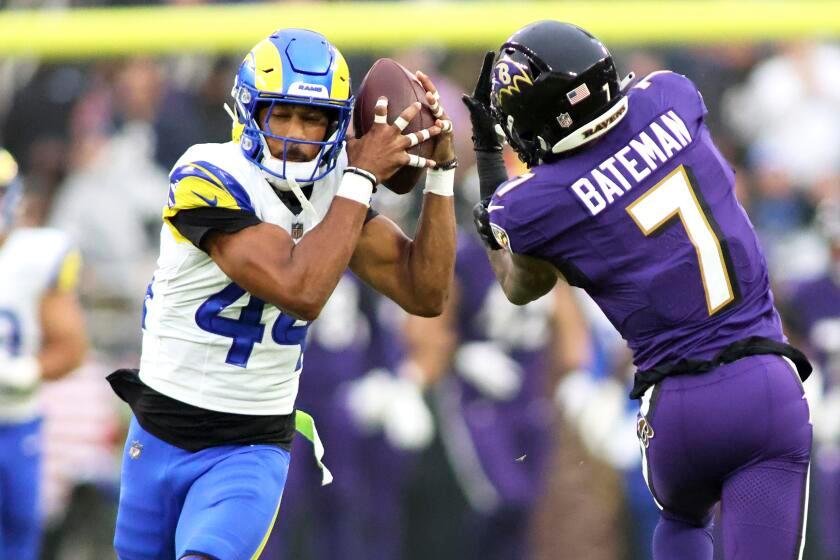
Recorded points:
578,94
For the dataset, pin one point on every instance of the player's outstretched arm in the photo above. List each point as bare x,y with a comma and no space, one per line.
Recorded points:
416,274
299,278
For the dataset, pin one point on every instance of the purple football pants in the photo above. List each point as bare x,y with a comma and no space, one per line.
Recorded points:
739,435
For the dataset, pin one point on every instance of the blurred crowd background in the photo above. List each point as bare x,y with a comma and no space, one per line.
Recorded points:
491,432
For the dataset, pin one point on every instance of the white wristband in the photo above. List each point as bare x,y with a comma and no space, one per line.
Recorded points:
20,374
440,182
355,187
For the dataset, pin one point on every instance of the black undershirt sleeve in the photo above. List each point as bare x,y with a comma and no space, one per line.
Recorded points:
195,224
491,172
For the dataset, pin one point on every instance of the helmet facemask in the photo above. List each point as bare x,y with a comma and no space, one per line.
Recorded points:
279,170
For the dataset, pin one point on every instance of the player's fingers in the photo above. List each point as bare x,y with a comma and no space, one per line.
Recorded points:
482,85
405,117
414,138
445,126
417,161
380,111
433,99
432,94
427,83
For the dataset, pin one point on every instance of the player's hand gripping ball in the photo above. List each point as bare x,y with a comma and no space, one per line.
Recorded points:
389,79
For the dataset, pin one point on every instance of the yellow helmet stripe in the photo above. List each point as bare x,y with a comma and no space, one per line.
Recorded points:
268,67
340,88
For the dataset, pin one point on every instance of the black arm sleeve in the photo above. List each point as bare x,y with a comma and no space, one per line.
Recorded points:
491,172
195,224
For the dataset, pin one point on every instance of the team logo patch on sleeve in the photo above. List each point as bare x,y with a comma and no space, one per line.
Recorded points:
501,236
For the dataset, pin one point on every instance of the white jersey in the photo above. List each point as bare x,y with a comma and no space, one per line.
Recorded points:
33,261
207,342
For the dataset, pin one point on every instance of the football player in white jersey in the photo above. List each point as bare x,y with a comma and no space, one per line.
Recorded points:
257,233
42,337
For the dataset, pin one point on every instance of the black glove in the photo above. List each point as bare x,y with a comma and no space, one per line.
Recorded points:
484,135
481,219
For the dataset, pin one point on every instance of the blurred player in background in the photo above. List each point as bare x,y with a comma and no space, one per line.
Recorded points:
42,337
257,233
350,389
723,415
493,415
813,314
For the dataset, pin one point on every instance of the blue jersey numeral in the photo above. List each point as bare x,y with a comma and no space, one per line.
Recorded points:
284,332
247,330
146,300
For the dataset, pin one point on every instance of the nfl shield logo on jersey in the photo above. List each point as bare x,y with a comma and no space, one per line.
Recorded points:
297,230
565,120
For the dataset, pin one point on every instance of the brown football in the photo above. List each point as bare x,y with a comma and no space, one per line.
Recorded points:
391,79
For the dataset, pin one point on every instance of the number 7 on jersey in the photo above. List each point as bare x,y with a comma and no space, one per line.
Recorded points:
674,196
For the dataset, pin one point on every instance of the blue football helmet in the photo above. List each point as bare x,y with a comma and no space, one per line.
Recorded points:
11,190
292,66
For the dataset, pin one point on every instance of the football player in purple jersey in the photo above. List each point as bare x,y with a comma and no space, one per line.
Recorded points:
628,198
814,316
488,386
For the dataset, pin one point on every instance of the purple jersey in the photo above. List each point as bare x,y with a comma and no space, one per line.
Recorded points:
493,332
646,221
815,306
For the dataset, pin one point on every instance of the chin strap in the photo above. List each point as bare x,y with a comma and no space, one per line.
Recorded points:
292,183
304,202
236,127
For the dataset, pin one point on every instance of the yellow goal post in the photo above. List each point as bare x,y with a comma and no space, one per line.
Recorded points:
353,26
